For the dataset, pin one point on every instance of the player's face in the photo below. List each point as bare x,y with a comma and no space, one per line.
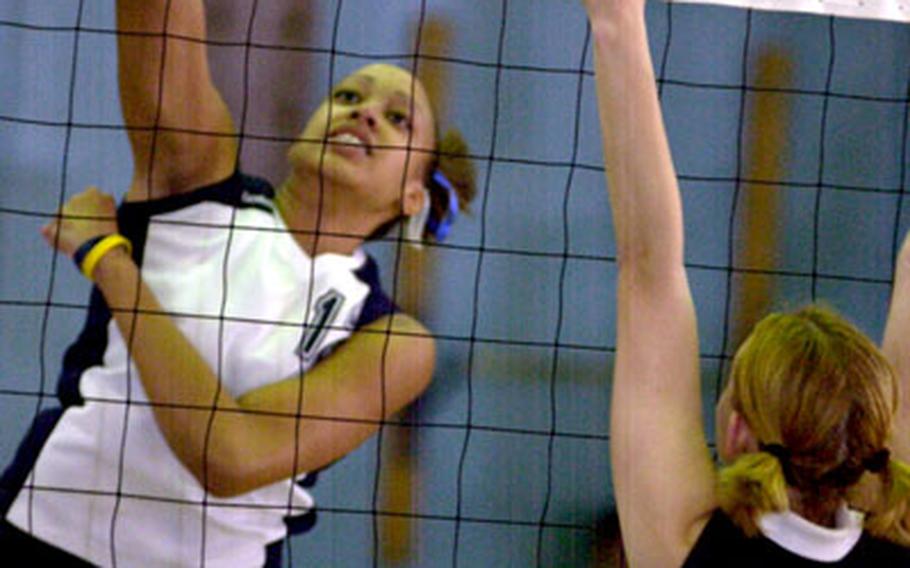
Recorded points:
373,134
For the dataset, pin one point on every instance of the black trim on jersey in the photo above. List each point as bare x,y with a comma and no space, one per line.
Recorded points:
16,474
133,216
274,552
32,551
723,544
377,303
229,191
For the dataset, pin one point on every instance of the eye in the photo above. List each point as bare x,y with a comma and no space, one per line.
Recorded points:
346,96
399,119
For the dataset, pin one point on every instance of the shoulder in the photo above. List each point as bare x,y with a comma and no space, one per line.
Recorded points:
404,344
407,344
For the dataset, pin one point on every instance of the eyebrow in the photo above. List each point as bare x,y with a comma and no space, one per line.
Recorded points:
408,101
364,78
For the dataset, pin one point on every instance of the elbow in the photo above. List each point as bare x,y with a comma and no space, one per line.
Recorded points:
246,463
645,264
219,481
226,473
627,259
221,487
225,483
633,255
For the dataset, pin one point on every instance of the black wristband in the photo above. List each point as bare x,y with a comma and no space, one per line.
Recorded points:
83,250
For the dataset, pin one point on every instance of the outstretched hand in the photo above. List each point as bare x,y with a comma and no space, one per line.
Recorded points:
86,215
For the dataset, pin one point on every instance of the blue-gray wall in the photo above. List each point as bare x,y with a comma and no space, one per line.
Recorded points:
529,270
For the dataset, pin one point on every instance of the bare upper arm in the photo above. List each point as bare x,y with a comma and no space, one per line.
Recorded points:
896,346
663,473
306,423
179,126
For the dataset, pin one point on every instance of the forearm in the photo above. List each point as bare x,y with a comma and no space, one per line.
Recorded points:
274,432
644,196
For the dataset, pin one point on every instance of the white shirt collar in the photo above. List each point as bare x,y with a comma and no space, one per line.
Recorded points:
794,533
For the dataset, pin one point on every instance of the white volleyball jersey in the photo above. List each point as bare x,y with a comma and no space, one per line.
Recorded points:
105,485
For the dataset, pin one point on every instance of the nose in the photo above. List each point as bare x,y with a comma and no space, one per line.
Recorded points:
366,115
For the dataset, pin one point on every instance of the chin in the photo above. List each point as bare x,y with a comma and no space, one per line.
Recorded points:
305,155
333,172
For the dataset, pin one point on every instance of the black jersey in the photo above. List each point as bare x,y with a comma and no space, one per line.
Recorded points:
723,544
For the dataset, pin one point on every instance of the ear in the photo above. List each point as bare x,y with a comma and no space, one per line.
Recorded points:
414,195
739,438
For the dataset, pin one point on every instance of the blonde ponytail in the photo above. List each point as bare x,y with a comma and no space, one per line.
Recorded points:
753,484
890,519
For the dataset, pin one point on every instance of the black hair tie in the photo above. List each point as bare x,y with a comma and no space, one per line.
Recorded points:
777,450
877,462
846,475
782,453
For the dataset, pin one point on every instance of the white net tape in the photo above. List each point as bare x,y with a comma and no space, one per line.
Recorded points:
894,10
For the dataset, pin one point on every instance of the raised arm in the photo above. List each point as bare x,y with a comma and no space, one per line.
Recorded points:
180,128
662,472
268,434
896,345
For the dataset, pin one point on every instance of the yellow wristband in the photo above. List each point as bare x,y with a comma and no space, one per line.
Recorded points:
104,246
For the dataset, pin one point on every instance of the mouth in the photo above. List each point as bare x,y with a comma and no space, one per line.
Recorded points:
349,138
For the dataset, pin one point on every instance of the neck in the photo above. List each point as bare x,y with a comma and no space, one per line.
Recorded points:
318,225
821,511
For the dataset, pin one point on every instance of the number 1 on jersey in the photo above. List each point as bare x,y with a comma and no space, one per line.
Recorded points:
325,311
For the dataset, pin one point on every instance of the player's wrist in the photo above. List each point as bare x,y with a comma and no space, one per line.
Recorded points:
620,28
100,251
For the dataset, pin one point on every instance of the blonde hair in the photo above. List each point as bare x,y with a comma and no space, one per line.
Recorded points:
821,398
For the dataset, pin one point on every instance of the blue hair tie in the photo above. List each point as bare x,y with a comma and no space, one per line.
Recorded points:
440,227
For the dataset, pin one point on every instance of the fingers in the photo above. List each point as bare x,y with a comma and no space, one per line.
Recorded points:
85,215
90,204
49,232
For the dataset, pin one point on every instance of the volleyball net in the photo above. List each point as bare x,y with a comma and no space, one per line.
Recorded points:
789,132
